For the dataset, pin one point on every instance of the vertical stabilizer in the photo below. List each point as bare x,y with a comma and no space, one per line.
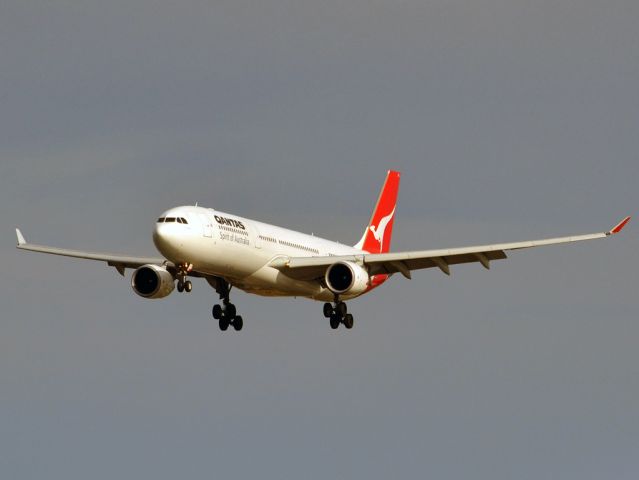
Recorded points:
378,233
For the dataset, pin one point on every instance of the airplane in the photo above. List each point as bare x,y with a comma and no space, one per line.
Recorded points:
231,251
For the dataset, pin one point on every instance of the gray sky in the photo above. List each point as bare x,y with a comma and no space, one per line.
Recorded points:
509,120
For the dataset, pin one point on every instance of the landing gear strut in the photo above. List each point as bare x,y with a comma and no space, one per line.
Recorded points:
338,314
226,313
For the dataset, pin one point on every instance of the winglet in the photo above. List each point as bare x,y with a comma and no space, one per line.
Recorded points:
21,240
619,227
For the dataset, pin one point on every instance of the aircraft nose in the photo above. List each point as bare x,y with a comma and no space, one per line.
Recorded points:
172,236
163,237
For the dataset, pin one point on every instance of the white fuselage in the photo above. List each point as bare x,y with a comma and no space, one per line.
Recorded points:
240,250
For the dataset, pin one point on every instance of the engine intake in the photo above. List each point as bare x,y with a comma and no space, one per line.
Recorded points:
346,277
152,281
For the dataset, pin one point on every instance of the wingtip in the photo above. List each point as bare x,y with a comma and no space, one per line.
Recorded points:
620,226
21,240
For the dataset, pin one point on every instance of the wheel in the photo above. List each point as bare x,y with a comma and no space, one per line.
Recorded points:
217,312
341,309
180,286
334,321
229,311
238,323
224,324
188,286
348,321
328,310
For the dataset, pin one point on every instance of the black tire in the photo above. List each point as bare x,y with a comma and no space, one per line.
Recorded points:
180,286
334,322
238,323
328,310
348,321
341,309
224,324
217,312
188,286
230,311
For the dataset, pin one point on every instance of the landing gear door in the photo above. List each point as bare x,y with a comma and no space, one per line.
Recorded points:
207,225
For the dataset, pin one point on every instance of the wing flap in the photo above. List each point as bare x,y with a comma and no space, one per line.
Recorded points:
420,262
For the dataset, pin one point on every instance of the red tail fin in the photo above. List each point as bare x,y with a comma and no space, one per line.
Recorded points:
377,236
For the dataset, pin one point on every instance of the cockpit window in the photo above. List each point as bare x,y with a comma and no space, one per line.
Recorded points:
172,220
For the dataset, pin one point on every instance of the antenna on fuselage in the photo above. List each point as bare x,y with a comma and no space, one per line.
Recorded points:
196,204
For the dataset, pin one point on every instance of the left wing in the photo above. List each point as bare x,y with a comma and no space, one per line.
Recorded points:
309,268
120,262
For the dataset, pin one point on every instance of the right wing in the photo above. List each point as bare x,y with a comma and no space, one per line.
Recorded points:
314,268
120,262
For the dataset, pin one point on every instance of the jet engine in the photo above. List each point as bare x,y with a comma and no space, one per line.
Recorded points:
346,277
152,281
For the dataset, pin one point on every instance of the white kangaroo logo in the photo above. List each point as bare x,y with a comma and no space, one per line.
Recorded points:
380,230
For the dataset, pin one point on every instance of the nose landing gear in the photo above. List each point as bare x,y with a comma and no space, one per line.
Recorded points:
338,314
184,285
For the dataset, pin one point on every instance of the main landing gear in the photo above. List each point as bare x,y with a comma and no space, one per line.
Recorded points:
226,313
338,314
184,285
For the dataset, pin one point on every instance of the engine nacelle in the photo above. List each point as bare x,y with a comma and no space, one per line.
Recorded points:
346,277
152,281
